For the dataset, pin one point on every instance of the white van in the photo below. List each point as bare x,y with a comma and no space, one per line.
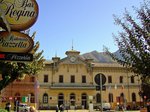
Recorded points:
106,106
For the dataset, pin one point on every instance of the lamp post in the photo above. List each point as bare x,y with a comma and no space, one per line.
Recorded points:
101,93
128,86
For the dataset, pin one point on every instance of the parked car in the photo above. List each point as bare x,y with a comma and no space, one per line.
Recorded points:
105,106
24,108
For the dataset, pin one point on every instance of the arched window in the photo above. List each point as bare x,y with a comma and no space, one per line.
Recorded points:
133,97
98,98
60,99
110,97
122,97
84,100
45,98
32,100
72,99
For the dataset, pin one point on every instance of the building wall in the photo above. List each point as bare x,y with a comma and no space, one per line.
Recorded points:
66,68
51,93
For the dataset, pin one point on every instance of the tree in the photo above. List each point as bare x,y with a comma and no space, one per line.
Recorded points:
134,42
11,71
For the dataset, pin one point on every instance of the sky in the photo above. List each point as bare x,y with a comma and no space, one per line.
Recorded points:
87,25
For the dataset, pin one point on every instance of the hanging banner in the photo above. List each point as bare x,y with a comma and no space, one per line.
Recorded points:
20,14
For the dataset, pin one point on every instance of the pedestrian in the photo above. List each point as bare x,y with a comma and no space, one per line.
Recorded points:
57,108
8,106
148,107
61,108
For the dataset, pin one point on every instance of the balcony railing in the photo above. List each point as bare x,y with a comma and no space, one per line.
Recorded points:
69,85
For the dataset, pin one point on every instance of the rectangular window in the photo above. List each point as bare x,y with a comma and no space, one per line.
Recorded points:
132,79
61,79
72,79
32,79
83,79
45,78
109,79
121,79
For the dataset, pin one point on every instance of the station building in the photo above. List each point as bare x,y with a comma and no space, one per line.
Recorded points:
72,81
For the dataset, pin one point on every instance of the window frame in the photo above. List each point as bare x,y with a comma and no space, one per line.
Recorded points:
109,79
83,78
45,98
72,78
45,80
61,78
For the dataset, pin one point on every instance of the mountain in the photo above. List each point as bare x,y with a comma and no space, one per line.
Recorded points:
101,57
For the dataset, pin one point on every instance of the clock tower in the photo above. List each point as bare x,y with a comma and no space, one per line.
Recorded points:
72,55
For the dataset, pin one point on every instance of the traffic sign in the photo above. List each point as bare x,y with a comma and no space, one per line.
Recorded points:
97,79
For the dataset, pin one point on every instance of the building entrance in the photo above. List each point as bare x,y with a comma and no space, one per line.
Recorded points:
84,101
60,99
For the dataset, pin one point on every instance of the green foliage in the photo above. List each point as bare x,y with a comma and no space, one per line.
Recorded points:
134,40
3,110
11,71
134,44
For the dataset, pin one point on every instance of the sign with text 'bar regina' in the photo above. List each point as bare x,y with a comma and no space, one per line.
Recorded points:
16,56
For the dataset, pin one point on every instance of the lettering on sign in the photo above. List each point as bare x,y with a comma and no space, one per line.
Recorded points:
20,14
16,56
15,42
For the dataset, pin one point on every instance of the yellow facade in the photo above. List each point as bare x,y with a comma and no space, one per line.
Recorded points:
71,81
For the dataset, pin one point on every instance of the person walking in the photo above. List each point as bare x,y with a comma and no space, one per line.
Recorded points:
62,108
148,106
57,108
8,107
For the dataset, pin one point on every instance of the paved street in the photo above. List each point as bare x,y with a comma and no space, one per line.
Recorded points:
83,111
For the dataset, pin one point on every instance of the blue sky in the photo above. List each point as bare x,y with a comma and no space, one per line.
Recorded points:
89,24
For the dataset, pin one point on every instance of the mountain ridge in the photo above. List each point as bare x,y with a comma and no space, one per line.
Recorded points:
100,57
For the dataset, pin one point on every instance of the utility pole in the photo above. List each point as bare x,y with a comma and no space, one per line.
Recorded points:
101,92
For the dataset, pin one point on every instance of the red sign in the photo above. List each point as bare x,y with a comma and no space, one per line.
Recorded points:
10,98
2,56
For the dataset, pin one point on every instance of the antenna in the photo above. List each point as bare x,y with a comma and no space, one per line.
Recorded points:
72,44
56,54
